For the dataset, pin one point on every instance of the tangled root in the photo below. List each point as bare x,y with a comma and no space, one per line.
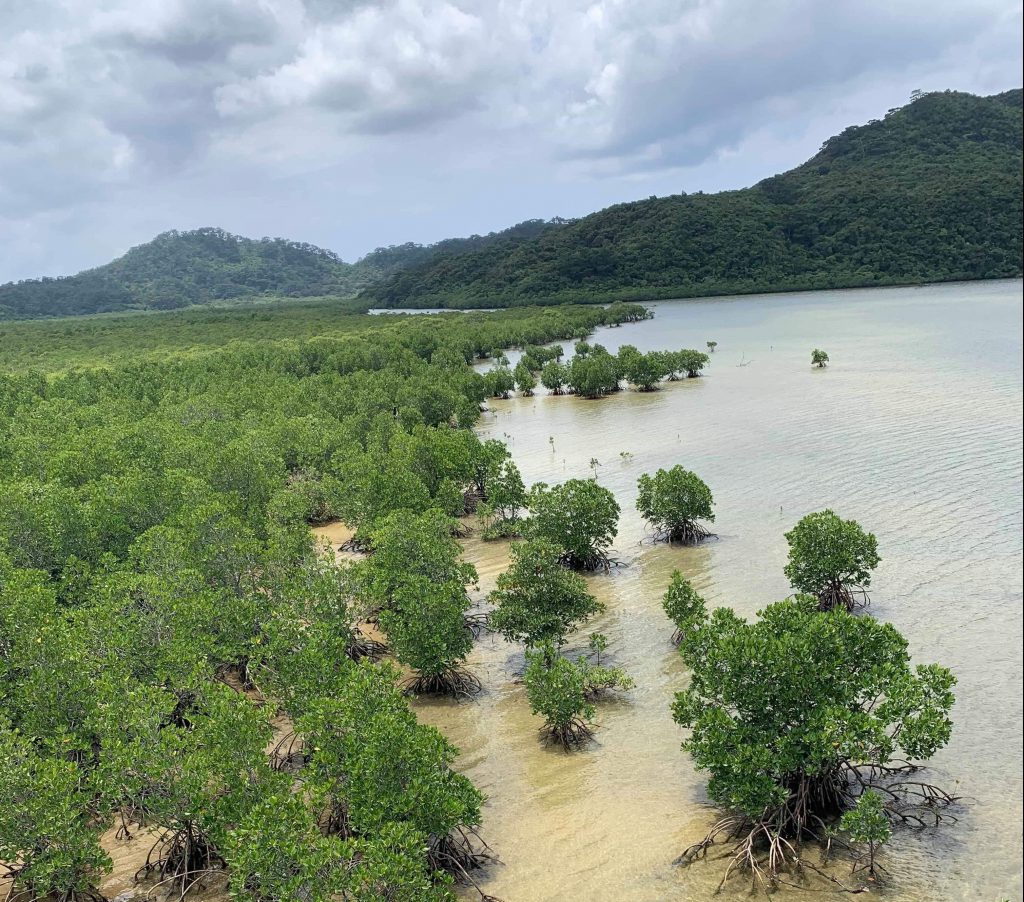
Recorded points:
455,683
30,893
477,623
689,533
851,598
460,852
289,753
768,846
364,647
355,544
180,860
596,560
570,735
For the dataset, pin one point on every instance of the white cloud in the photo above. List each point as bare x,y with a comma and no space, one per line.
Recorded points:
335,116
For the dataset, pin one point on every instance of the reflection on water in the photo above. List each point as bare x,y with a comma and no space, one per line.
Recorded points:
915,431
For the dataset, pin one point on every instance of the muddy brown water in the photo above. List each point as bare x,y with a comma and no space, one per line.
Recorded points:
914,430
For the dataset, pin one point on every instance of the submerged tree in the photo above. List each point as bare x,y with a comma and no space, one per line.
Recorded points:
673,501
644,371
579,516
553,377
537,600
684,607
831,559
562,691
712,345
834,709
819,358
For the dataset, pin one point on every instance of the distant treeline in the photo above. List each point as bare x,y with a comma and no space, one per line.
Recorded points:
932,192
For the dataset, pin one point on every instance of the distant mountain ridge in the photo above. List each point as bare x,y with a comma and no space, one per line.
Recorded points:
203,266
931,192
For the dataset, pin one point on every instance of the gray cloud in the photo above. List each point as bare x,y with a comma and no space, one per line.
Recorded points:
359,123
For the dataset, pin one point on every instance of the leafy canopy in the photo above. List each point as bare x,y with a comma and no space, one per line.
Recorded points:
798,694
579,517
673,499
827,552
537,600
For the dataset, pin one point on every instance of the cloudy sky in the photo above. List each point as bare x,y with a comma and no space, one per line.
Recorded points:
355,124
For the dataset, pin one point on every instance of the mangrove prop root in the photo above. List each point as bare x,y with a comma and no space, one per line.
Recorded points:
355,544
289,753
852,598
28,892
477,623
364,647
459,853
455,683
767,846
180,859
589,563
689,533
570,735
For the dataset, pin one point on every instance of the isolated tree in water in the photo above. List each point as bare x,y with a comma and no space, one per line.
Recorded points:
579,516
537,600
795,717
562,692
553,377
819,358
673,501
831,559
712,345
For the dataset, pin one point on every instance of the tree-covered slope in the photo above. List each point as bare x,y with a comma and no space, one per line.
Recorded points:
931,192
182,269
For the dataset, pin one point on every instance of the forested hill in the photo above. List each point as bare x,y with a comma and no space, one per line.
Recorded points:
181,269
931,192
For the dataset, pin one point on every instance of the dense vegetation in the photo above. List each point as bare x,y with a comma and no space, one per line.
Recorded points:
931,192
166,617
182,269
811,721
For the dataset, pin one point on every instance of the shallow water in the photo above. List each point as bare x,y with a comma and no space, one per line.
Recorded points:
915,431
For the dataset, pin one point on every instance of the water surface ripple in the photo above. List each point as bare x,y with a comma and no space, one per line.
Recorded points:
914,430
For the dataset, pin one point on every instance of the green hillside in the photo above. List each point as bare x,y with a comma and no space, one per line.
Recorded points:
931,192
203,266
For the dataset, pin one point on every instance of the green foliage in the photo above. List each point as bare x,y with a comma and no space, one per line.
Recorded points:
537,600
593,374
374,765
500,382
553,377
642,370
867,822
819,358
831,558
158,577
557,690
425,623
579,517
526,382
796,714
673,501
561,691
684,607
930,192
49,835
